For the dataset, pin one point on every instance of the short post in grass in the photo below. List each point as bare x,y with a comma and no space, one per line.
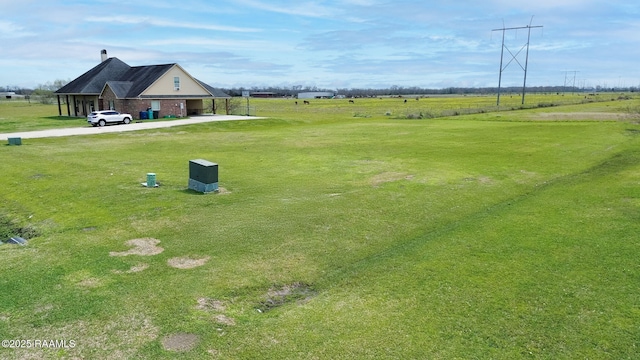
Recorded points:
151,180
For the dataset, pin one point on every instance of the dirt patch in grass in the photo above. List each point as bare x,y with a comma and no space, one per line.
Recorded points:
223,191
577,116
186,262
296,292
134,269
479,179
41,309
224,320
386,177
138,268
528,173
143,247
118,338
90,282
210,304
180,342
84,279
207,304
39,176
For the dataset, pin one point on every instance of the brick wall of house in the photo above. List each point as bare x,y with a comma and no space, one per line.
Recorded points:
171,107
135,106
107,97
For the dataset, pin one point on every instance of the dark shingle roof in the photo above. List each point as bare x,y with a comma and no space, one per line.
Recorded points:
92,82
120,88
214,91
124,80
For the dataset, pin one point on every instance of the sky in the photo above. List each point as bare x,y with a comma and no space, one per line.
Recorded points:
329,44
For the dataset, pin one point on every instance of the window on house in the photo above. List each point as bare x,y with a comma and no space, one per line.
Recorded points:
112,105
155,105
176,83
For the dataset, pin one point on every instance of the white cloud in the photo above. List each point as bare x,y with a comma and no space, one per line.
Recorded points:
167,23
9,29
541,5
295,8
361,2
227,44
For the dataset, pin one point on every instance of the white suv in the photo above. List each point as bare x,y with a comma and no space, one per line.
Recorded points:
107,116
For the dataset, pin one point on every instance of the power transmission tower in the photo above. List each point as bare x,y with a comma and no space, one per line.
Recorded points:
515,56
566,73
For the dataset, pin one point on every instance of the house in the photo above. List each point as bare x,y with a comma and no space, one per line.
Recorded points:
7,94
167,89
315,95
262,94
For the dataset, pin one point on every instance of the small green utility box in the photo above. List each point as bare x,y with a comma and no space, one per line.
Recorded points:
203,176
15,141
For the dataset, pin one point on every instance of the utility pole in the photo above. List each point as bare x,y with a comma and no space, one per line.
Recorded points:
514,57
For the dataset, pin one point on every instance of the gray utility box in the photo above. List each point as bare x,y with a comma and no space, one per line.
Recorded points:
203,176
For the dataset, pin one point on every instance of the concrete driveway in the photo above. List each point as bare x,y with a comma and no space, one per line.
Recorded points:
149,124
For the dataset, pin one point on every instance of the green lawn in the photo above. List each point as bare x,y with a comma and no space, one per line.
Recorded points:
19,115
335,236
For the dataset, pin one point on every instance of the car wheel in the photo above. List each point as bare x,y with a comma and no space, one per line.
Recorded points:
102,123
127,120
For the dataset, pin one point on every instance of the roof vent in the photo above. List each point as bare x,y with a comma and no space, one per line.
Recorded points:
103,55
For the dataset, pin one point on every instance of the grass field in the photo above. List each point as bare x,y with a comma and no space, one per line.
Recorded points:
341,231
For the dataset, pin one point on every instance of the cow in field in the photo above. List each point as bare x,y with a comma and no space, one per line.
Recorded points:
306,102
351,102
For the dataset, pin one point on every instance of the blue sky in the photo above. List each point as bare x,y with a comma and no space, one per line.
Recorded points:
328,44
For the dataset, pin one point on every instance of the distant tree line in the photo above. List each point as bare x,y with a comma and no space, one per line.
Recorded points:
45,91
16,89
413,90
